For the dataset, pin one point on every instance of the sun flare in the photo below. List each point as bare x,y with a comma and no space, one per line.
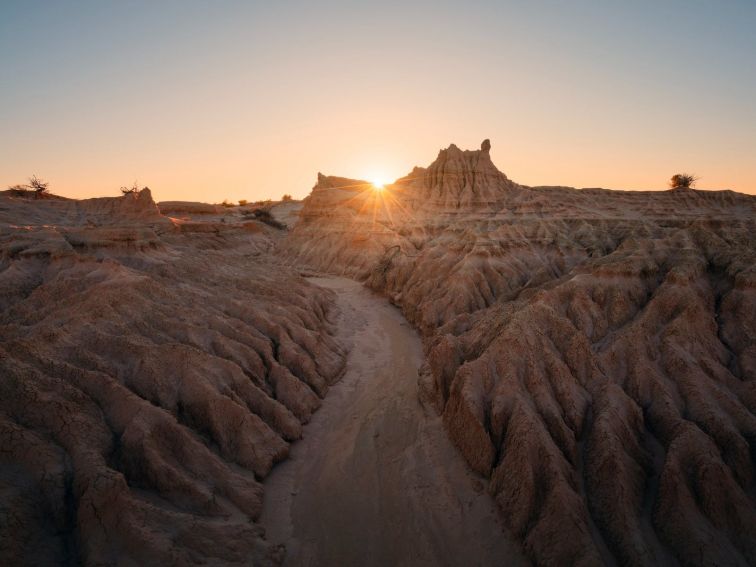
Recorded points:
378,184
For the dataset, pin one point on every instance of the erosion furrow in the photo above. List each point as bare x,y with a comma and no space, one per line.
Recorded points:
613,318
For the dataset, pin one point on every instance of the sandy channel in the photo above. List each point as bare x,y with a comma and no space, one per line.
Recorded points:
375,480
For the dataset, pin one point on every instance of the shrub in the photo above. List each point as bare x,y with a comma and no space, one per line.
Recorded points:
286,197
37,185
18,190
130,190
226,203
242,202
682,181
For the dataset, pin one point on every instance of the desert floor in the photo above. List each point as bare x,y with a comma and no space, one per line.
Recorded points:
375,481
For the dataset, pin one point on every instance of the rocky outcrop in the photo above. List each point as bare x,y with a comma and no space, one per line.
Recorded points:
593,352
150,377
458,179
186,208
104,211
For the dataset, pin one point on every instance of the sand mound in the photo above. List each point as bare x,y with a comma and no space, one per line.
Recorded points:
151,377
593,352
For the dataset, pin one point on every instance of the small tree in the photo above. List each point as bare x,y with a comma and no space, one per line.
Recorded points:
286,197
242,202
37,185
682,181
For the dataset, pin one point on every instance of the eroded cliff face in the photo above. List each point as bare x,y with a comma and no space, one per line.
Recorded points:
152,371
593,352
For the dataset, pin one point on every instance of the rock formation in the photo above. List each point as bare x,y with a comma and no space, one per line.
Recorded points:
152,371
593,352
188,208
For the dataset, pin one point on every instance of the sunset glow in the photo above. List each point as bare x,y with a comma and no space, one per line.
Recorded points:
378,283
208,102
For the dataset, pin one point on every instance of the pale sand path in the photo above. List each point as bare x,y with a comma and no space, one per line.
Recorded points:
375,481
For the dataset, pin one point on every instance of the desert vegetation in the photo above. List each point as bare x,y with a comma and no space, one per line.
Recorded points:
35,186
132,190
682,181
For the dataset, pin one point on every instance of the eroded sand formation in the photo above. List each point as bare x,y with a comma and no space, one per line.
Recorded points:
593,352
375,480
152,371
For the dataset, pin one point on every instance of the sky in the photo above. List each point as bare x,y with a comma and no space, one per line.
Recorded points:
222,99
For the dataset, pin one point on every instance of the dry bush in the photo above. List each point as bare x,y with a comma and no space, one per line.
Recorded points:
286,197
37,185
131,190
18,190
242,202
682,181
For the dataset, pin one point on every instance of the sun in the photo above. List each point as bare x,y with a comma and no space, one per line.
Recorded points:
379,181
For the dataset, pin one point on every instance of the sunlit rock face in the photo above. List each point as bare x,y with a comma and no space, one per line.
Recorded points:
593,352
458,180
151,373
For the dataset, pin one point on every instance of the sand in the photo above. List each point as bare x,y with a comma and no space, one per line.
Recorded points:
592,352
375,480
152,371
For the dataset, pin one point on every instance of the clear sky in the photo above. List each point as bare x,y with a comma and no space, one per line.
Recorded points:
247,100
